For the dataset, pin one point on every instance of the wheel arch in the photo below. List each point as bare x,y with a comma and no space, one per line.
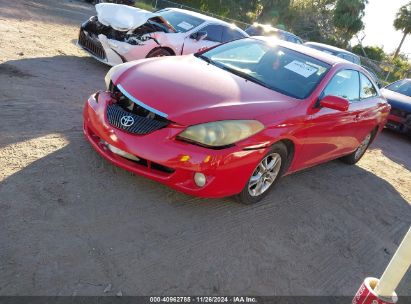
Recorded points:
375,131
290,145
169,49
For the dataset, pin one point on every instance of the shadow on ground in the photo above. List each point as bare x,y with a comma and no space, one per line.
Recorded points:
46,95
393,145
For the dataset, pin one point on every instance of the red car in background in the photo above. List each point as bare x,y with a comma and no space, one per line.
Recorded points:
232,120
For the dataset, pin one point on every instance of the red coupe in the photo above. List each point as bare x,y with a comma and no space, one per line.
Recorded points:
235,118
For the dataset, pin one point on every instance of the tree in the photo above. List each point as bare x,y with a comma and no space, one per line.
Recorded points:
312,20
373,52
402,23
347,19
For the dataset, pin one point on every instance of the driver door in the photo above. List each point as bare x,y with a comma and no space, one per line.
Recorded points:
331,133
214,37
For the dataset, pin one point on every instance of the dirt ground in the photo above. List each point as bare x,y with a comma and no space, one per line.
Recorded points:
71,223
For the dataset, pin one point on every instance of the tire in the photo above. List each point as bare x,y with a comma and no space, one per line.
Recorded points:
159,52
258,187
353,158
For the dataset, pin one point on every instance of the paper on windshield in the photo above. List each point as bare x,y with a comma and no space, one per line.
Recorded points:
185,25
301,68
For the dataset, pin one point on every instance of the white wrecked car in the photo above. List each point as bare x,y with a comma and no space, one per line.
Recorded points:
121,33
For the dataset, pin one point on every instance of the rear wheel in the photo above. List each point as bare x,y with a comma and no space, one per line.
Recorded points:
160,52
354,157
265,175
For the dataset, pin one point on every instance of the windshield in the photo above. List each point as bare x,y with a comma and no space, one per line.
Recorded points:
277,68
180,21
401,86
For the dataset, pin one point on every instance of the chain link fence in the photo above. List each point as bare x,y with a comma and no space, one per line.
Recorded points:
385,71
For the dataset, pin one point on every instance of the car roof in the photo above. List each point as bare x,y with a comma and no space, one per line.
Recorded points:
206,18
273,28
329,47
317,54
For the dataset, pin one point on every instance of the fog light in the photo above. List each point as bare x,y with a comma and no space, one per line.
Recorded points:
200,179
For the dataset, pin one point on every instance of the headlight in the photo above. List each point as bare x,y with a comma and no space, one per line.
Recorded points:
118,69
221,133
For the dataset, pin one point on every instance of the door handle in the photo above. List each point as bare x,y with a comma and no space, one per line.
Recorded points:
357,117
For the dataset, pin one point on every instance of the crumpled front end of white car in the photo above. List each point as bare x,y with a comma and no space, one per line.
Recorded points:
121,33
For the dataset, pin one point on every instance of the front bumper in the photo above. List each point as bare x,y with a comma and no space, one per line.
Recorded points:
167,160
112,52
399,123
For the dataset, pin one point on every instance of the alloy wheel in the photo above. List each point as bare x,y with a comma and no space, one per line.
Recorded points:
265,174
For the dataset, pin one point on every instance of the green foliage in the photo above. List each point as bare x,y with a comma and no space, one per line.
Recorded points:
373,52
402,20
143,5
328,21
347,19
402,67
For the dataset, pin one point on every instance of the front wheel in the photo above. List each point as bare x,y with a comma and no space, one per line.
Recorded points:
354,157
265,175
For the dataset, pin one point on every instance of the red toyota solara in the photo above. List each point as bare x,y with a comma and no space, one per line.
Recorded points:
233,119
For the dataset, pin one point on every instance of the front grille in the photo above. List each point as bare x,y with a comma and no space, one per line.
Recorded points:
92,45
141,126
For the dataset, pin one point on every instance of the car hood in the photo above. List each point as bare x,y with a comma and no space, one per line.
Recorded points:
397,100
122,17
190,91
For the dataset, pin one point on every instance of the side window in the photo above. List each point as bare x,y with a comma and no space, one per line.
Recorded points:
230,34
214,32
344,84
367,88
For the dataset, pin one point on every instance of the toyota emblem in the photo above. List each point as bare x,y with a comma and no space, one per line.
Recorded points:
127,121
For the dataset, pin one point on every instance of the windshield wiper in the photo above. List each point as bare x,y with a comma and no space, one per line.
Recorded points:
205,58
245,76
234,71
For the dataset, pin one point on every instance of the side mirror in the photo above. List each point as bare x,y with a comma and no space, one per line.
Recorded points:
335,103
201,35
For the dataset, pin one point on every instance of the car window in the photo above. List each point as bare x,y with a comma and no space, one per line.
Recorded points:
180,21
275,67
401,86
298,40
230,34
344,84
254,31
350,58
367,88
214,32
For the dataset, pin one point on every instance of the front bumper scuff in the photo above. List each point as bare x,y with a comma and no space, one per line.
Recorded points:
227,170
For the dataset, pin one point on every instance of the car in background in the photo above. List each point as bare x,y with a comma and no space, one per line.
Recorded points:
258,29
233,119
335,51
398,95
122,33
342,54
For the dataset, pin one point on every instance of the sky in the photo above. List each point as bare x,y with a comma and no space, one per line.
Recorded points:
379,30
